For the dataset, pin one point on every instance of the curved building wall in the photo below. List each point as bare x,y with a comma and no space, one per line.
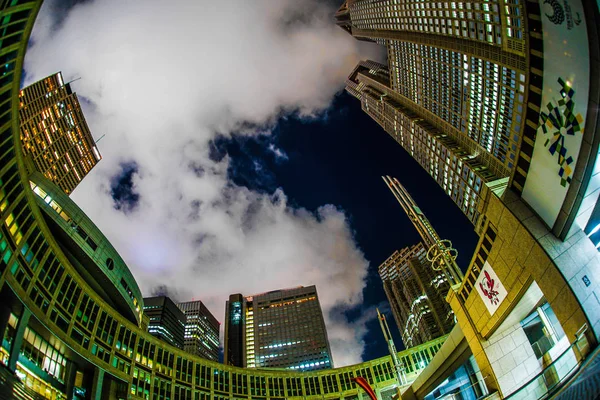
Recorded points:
50,295
88,249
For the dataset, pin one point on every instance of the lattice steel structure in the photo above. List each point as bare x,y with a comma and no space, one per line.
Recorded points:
441,255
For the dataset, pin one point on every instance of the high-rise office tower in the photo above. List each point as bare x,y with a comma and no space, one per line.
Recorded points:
201,330
453,91
417,296
235,331
54,133
167,321
278,329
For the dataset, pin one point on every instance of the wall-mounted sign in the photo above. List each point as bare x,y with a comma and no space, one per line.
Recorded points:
563,108
490,289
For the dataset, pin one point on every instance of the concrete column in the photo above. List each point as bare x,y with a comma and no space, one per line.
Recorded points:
70,375
475,342
17,342
479,377
97,384
4,316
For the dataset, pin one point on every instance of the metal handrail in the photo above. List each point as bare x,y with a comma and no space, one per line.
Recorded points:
580,335
452,395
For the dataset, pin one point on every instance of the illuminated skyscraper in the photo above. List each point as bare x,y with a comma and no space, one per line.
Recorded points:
235,331
417,296
417,279
201,330
453,91
167,321
54,133
278,329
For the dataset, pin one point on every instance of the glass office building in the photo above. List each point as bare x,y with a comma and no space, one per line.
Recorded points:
166,320
453,91
201,330
281,329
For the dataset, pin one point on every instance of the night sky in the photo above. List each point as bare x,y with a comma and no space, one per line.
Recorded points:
339,160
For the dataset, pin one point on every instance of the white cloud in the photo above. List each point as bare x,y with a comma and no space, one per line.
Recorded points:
279,154
161,79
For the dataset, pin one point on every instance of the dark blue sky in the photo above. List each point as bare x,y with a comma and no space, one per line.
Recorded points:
339,160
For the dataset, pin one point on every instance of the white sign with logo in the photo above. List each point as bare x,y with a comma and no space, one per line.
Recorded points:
490,289
563,107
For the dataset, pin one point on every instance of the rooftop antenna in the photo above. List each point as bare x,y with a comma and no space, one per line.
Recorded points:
96,142
73,80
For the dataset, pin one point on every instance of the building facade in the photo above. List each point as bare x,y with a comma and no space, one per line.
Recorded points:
54,133
167,321
453,92
495,102
417,296
201,330
278,329
234,351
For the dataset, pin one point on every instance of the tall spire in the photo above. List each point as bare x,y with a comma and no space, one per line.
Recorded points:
440,252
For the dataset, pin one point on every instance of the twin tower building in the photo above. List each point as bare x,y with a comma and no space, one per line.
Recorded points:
452,95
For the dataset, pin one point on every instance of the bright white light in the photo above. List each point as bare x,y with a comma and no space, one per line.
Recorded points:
594,230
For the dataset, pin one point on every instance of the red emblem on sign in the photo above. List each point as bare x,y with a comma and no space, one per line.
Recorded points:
488,290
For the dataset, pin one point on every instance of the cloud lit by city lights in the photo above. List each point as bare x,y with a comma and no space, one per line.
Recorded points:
161,81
